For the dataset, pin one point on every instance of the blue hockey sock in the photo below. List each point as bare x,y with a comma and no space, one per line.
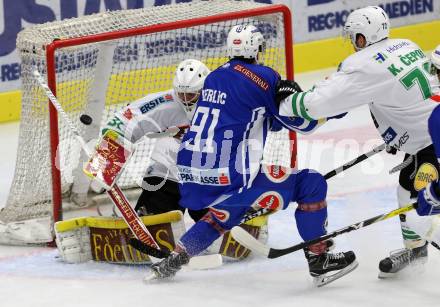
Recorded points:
200,236
311,220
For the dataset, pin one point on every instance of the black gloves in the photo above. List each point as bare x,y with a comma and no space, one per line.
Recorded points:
286,88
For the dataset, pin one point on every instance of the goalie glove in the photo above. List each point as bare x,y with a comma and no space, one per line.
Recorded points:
109,158
428,200
285,88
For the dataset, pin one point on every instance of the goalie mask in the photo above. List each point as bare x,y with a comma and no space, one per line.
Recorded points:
188,82
372,22
245,41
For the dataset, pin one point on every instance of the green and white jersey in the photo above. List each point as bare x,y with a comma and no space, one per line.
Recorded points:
393,77
151,114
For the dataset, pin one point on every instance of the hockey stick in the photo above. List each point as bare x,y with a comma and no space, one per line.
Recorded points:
434,225
116,195
254,245
336,171
146,249
130,216
355,161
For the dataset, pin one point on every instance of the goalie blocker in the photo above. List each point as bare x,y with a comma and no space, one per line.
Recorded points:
105,239
109,158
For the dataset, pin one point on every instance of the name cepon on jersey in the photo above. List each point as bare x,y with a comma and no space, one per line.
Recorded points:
252,76
214,96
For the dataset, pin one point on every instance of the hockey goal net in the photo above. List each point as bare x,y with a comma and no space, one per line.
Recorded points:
96,64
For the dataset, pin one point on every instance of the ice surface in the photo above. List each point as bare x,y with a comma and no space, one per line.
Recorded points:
34,276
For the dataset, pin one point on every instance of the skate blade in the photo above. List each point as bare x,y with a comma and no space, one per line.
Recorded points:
325,279
386,275
150,277
416,266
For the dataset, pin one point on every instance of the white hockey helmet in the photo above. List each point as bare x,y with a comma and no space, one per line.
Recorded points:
435,57
188,81
371,21
245,41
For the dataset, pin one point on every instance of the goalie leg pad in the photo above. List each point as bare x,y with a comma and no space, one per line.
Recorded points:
33,231
107,239
228,247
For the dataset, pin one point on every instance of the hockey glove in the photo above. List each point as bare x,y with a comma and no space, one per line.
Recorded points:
391,149
275,125
285,88
429,199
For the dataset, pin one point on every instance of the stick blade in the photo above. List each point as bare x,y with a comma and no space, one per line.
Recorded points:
205,262
247,240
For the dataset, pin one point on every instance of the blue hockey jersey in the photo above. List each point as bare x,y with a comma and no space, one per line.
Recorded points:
221,153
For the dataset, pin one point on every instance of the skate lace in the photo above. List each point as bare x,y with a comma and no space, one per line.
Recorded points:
336,256
404,257
169,266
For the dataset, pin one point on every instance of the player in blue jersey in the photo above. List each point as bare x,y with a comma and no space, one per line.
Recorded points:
429,197
219,161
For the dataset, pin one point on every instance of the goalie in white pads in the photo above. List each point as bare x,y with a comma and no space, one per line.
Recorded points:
393,77
167,113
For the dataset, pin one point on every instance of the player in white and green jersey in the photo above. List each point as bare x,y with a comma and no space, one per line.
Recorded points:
394,78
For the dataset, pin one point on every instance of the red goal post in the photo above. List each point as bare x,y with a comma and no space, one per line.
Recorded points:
70,51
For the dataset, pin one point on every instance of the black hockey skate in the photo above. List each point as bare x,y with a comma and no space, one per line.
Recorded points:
400,259
327,267
168,267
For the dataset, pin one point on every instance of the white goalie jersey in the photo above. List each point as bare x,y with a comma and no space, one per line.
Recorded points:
393,77
151,114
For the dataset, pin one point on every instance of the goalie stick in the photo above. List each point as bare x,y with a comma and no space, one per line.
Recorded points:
130,216
116,195
254,245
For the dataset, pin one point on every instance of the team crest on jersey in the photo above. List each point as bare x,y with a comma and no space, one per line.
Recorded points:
276,173
271,200
221,215
425,174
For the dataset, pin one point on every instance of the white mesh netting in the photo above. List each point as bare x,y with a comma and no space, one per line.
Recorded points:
98,78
